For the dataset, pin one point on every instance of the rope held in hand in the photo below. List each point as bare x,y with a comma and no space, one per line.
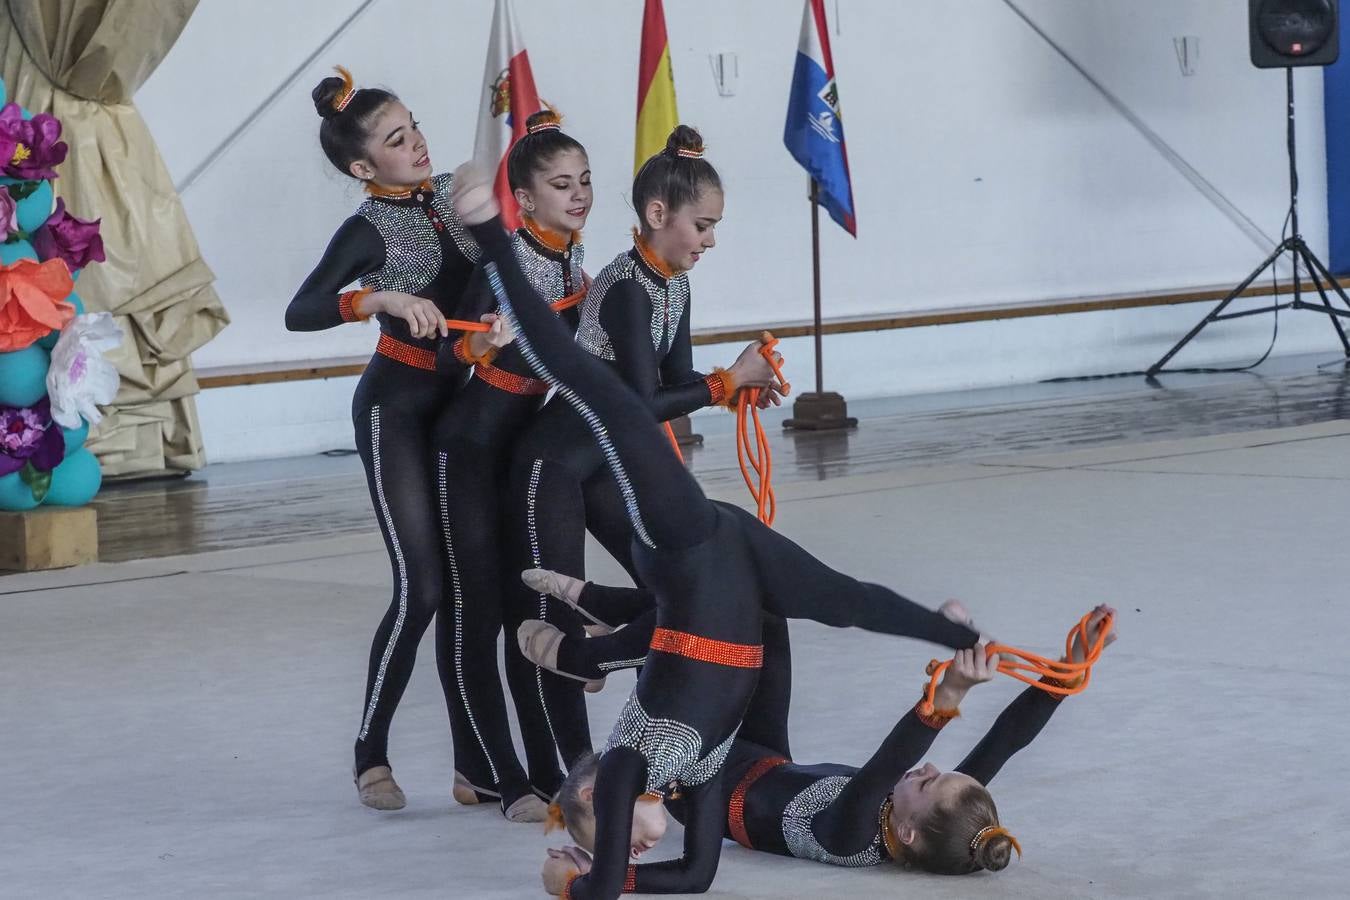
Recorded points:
567,302
1065,677
753,454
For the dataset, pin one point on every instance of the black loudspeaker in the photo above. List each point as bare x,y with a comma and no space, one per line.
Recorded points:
1288,33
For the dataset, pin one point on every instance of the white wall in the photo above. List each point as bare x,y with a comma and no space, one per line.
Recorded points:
985,169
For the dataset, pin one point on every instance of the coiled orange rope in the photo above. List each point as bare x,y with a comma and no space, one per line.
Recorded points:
1067,677
754,455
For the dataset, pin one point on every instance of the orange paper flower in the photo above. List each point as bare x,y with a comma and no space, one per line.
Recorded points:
33,301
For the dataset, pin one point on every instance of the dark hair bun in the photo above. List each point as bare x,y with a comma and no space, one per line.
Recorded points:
325,96
686,138
994,853
543,118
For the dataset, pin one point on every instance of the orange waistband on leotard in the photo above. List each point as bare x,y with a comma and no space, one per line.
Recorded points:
417,357
510,382
736,805
724,653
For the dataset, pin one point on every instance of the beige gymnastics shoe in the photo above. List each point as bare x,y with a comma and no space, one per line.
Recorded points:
528,808
377,789
568,590
539,642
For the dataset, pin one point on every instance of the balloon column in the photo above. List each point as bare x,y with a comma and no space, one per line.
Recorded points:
52,372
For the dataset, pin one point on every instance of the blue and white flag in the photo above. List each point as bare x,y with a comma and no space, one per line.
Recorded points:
814,133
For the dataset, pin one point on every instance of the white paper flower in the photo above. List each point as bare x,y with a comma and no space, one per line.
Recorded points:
80,378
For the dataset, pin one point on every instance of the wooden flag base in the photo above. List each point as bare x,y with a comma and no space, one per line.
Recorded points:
52,538
825,411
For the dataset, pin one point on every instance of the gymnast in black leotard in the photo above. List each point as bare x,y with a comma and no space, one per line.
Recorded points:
413,258
695,557
551,177
887,810
636,318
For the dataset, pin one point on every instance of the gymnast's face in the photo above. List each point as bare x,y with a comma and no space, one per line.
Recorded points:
649,824
920,791
559,196
681,236
396,152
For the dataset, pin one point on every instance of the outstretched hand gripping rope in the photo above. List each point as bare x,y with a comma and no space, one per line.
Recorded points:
756,459
1068,677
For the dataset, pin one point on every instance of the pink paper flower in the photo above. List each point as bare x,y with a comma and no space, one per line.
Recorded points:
74,240
36,145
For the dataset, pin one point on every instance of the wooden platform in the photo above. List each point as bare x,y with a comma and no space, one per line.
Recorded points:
48,538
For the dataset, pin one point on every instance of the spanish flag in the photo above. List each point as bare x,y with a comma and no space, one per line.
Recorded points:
507,100
656,115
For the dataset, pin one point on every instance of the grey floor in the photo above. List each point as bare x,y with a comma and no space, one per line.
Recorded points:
182,726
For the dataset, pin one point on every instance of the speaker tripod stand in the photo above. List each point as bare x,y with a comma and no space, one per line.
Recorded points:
1300,253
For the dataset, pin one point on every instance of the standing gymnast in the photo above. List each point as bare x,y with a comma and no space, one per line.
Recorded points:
413,257
891,809
696,558
551,177
636,318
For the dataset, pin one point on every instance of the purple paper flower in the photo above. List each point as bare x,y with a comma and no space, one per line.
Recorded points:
36,148
9,214
28,436
65,237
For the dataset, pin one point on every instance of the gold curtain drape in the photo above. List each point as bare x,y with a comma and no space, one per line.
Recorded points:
82,61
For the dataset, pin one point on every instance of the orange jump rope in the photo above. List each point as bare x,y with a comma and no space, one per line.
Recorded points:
1065,677
752,451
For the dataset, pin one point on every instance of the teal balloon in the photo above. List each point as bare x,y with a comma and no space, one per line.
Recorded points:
14,251
50,340
4,92
23,376
75,437
36,208
15,494
76,480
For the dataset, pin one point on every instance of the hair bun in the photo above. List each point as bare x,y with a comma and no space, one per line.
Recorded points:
685,141
332,95
325,96
994,851
544,120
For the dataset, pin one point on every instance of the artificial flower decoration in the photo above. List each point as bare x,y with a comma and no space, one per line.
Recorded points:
9,213
33,301
37,148
29,439
66,237
80,378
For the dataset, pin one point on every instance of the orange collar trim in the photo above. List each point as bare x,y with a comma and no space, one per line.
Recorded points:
650,258
887,834
547,238
384,193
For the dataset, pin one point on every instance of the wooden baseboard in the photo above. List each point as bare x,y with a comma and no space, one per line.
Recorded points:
230,376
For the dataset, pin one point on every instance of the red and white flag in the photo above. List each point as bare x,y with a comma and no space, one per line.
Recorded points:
508,99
